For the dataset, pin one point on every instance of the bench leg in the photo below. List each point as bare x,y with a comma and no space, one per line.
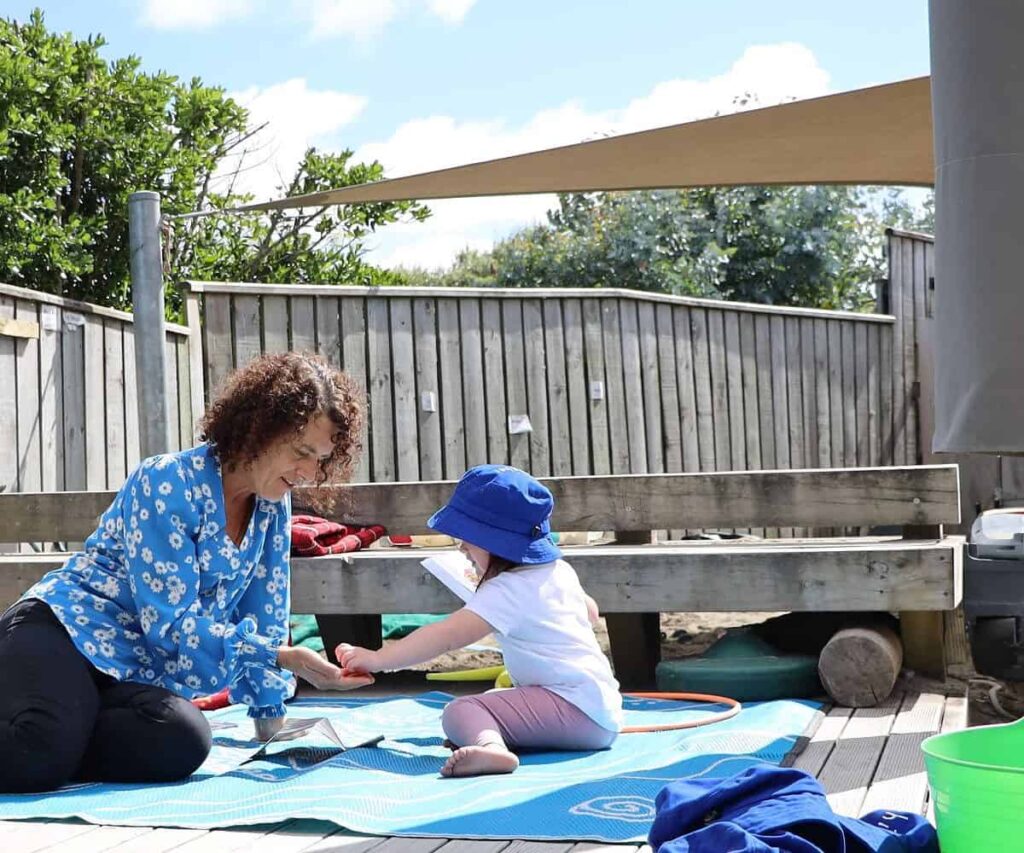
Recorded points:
635,640
357,630
924,646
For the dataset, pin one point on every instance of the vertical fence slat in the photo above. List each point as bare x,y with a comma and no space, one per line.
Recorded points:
576,381
73,355
795,400
515,375
635,388
303,324
116,402
918,295
403,387
186,423
352,317
246,344
668,389
450,366
849,395
650,372
719,389
874,357
593,339
51,397
494,401
382,414
702,385
473,382
618,435
755,333
897,301
328,330
822,397
132,442
860,356
171,366
28,404
275,323
558,396
536,387
217,344
835,392
780,385
424,318
753,437
734,382
8,404
95,439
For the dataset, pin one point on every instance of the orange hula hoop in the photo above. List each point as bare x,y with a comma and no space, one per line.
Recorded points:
733,709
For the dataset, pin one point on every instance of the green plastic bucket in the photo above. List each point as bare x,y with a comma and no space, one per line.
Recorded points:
977,781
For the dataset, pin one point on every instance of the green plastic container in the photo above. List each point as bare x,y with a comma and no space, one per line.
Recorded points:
977,781
744,667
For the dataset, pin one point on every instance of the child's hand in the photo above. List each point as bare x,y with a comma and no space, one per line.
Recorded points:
356,661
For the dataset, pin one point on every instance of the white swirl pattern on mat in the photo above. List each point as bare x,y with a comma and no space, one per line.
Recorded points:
629,809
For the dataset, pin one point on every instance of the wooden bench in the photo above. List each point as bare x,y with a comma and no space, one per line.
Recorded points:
916,573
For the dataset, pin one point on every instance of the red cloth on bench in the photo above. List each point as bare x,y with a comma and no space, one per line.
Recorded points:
313,536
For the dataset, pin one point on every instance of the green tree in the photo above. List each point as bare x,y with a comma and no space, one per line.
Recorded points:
810,246
79,134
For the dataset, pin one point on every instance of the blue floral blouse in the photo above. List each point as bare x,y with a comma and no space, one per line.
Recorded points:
162,595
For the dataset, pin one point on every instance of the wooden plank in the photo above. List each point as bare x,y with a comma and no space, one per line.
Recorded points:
536,387
132,444
599,427
450,366
863,428
615,392
97,838
51,400
837,456
494,379
95,433
645,579
798,440
886,398
328,330
170,366
352,316
304,834
720,404
73,355
849,395
847,497
633,390
160,840
8,415
275,323
217,343
246,342
558,393
913,306
822,397
403,389
734,392
578,389
303,324
428,391
345,842
382,414
851,765
954,715
225,840
668,389
757,387
116,403
823,741
898,304
703,405
873,347
197,388
26,358
27,836
19,328
650,369
475,415
515,380
748,356
186,423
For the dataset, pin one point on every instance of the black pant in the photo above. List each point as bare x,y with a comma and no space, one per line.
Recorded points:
61,719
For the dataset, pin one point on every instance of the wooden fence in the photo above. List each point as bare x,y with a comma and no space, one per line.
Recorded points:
611,381
68,416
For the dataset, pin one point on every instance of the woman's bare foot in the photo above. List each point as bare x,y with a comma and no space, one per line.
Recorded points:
480,760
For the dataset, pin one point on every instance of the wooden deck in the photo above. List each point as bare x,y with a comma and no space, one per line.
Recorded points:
866,759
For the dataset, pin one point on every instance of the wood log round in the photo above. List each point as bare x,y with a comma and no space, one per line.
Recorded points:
859,665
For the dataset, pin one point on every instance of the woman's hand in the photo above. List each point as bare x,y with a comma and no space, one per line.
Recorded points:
267,727
356,661
322,674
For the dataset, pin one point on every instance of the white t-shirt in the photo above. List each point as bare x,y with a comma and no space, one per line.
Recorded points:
540,616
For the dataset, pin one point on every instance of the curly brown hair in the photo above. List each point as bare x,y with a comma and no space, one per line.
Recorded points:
277,395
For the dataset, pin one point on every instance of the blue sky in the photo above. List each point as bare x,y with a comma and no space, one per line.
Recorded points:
421,84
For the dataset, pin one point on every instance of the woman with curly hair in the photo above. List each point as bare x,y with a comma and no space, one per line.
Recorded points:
182,590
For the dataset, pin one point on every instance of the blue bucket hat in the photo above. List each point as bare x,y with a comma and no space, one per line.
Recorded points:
503,510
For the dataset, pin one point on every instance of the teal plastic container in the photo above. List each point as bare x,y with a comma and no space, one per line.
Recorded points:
977,781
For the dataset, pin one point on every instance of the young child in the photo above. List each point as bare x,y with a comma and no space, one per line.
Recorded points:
565,696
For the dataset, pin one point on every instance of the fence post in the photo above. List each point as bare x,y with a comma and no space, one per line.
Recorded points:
150,331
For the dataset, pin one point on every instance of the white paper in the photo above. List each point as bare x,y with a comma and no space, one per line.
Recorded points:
454,571
518,424
48,318
73,321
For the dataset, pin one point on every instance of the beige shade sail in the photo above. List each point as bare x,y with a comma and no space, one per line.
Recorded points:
878,135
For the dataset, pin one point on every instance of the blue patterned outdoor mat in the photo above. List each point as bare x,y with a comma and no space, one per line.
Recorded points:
394,788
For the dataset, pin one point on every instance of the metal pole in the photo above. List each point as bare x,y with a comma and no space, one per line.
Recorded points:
150,332
978,118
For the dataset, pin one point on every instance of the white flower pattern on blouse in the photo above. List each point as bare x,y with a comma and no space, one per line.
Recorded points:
161,594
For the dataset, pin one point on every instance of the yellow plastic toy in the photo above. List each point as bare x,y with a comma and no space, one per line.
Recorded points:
483,674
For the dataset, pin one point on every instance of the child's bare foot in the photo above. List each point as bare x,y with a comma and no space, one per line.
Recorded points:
480,760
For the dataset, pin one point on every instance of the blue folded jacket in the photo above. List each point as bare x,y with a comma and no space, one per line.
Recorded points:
769,809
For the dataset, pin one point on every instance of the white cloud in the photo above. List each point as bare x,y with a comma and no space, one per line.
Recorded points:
362,20
451,11
193,14
764,75
297,117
